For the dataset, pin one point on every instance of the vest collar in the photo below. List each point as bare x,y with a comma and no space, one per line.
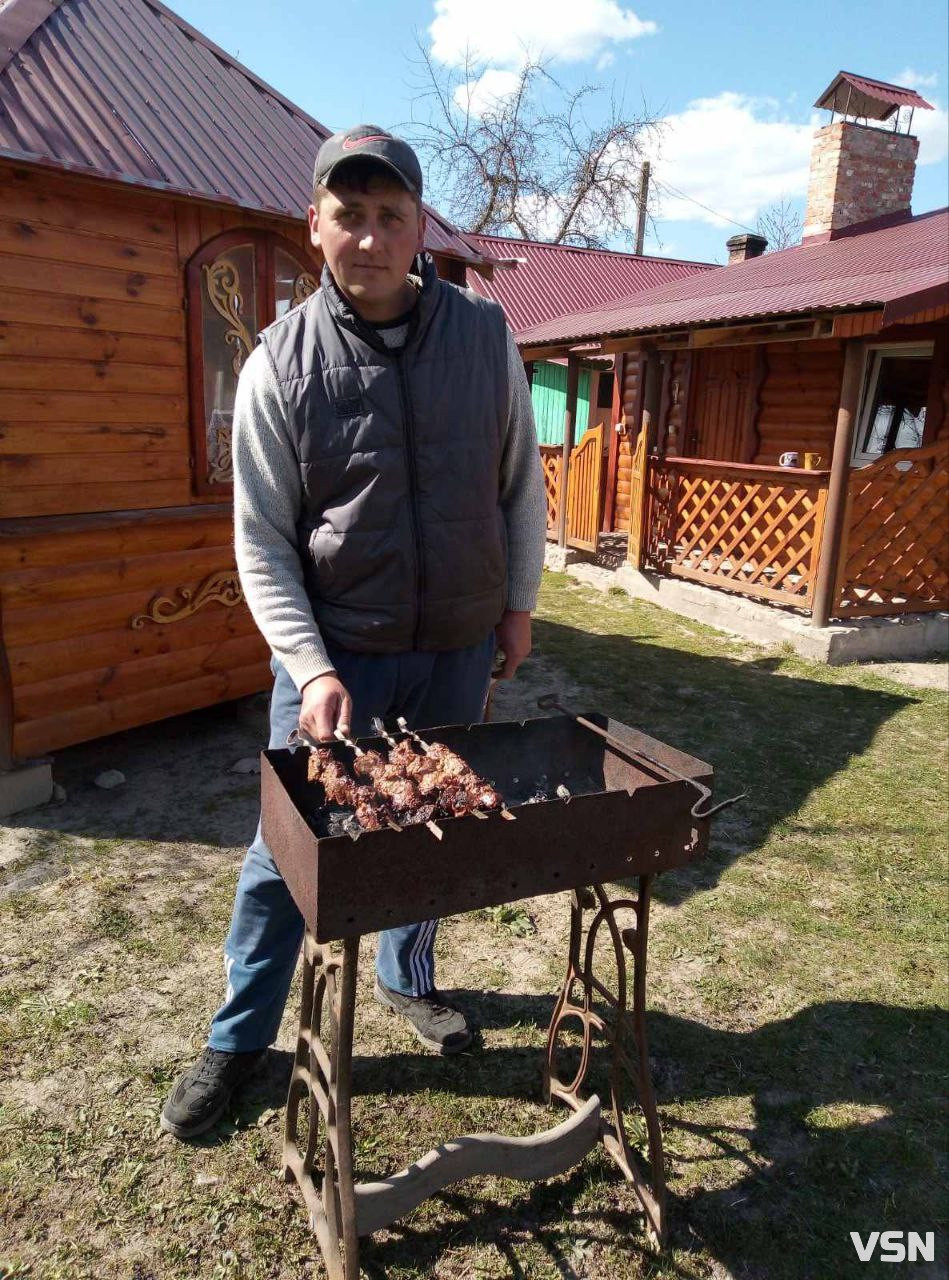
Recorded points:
344,313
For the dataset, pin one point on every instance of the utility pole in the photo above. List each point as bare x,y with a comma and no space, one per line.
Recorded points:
641,202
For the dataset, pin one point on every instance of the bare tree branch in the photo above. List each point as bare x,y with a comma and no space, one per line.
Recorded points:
781,225
534,160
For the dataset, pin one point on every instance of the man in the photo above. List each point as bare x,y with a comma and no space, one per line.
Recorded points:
389,524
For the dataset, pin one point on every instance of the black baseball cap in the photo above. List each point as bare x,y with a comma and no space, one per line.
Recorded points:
368,141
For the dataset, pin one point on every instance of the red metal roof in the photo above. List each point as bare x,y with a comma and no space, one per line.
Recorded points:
127,90
876,99
870,268
551,279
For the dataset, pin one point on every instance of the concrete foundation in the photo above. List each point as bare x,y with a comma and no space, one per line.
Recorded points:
917,635
26,786
559,559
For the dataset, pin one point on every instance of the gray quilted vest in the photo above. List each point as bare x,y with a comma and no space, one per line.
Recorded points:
401,534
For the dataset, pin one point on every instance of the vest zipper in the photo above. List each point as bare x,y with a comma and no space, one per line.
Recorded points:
409,435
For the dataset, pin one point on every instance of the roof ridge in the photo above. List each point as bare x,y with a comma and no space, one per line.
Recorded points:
22,18
580,248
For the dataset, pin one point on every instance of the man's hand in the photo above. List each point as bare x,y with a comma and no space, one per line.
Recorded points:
514,637
326,706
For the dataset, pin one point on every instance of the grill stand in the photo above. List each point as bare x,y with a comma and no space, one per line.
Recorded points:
341,1210
626,1036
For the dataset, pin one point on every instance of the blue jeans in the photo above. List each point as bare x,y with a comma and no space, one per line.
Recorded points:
260,954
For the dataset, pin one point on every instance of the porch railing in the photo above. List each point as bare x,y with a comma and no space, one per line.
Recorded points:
755,530
551,457
895,556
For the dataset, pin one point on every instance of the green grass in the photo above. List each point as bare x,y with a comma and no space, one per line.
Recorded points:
797,1025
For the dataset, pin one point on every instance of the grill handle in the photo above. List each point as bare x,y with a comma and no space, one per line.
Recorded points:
548,702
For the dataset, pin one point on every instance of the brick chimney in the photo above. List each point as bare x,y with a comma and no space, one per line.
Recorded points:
741,248
862,169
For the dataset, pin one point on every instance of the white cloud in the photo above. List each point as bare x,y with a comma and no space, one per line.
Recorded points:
732,154
501,31
474,97
910,79
932,129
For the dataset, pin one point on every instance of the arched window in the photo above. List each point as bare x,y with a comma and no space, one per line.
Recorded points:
237,283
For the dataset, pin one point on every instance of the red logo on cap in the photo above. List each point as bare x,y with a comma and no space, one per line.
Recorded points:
350,143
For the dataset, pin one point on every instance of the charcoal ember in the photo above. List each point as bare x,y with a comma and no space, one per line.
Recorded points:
416,817
338,820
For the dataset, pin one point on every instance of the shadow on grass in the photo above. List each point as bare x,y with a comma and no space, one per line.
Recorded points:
814,1126
777,737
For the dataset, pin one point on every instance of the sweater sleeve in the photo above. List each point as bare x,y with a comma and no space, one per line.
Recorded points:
267,504
523,500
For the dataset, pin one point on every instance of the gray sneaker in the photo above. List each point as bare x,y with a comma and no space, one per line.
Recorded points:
437,1024
199,1098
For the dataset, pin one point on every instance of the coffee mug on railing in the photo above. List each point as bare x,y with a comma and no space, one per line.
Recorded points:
791,459
812,461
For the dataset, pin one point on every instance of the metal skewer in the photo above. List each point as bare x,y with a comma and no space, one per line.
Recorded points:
403,725
300,738
357,750
380,728
701,809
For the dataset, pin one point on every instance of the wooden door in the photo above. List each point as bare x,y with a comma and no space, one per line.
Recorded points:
584,490
722,403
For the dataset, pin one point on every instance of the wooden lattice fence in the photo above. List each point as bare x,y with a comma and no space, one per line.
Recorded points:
755,530
551,457
896,545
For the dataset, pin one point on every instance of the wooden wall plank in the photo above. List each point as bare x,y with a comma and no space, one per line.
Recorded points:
112,683
79,438
187,232
58,500
799,399
18,374
81,723
46,659
87,539
78,280
97,407
30,471
55,201
50,246
89,311
164,572
34,342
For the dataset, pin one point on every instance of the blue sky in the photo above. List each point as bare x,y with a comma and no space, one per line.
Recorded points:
734,81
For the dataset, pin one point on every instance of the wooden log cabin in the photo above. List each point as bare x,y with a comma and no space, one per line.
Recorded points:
537,283
149,227
783,421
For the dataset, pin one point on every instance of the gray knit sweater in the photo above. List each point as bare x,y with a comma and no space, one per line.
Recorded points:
268,496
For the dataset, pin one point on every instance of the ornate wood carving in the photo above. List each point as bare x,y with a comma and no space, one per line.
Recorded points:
222,281
220,462
303,286
220,588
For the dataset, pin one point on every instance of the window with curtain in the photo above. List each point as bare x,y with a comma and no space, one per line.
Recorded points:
893,414
237,284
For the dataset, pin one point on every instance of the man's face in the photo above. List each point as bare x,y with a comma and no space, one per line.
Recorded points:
369,239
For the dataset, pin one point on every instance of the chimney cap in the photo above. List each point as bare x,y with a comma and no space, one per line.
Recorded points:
853,95
742,247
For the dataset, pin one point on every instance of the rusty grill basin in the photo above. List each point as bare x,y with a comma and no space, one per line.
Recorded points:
622,819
